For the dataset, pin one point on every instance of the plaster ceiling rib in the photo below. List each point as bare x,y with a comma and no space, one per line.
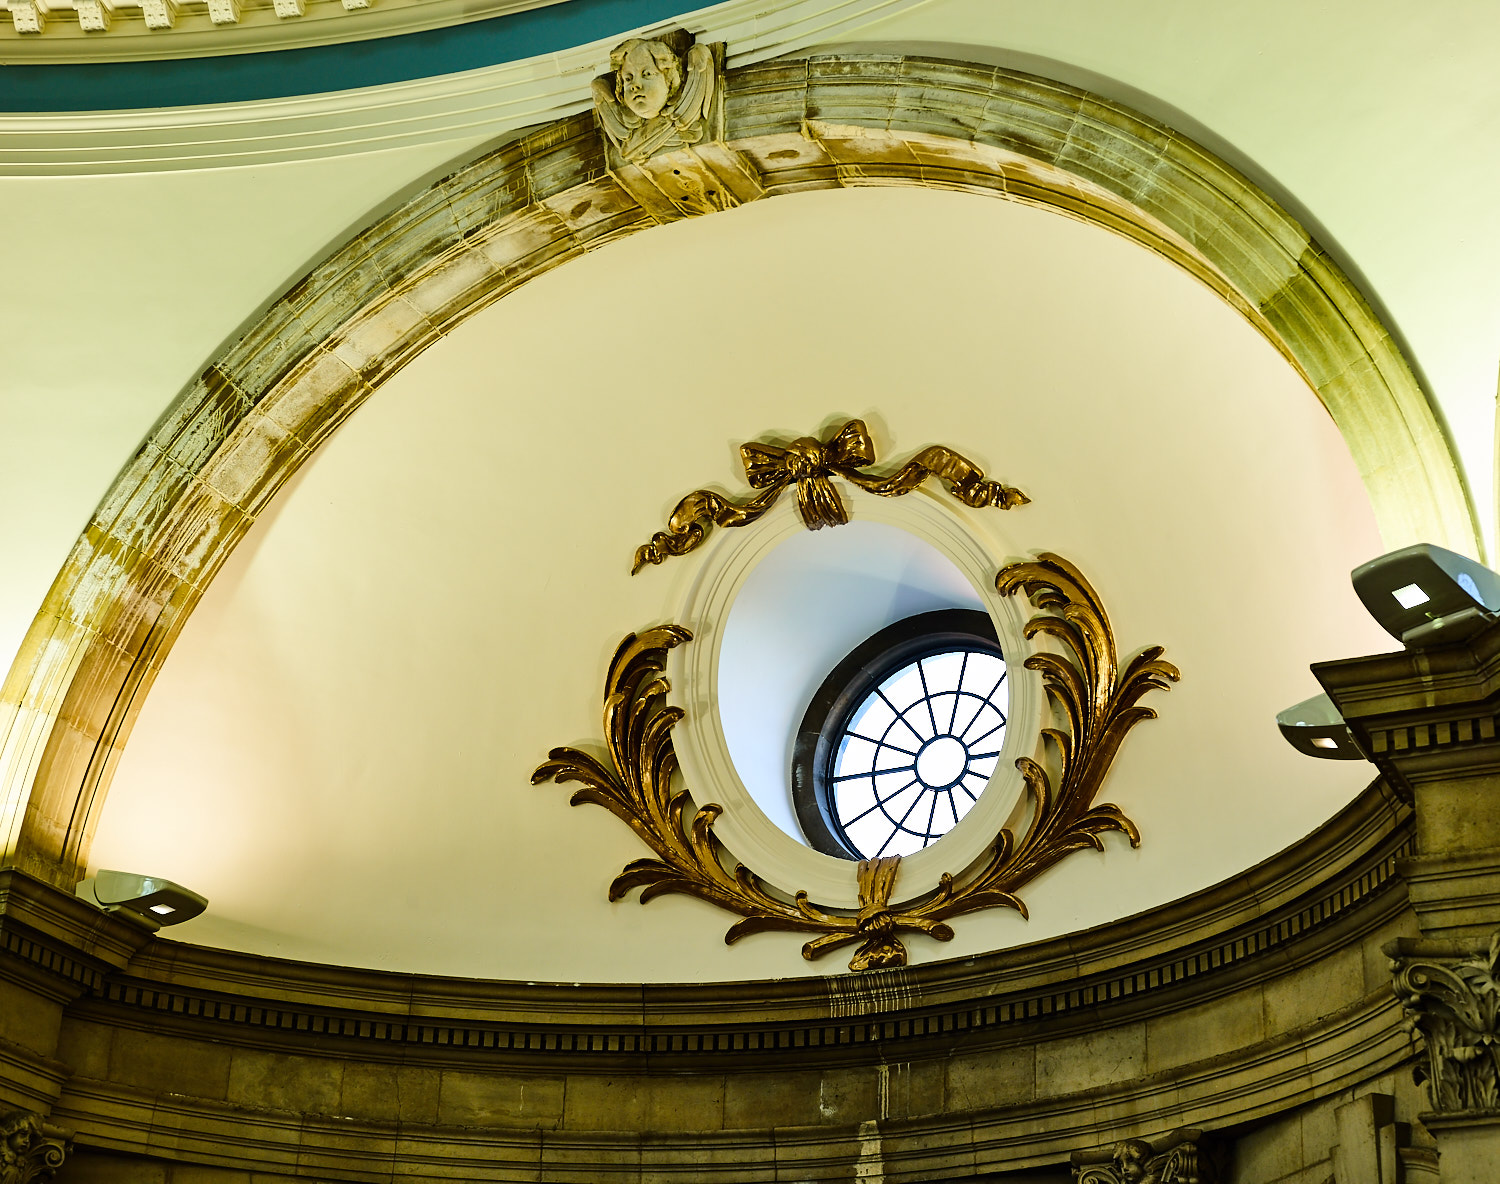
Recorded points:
265,404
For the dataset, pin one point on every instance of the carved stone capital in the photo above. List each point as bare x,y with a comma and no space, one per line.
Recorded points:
1451,995
30,1148
1184,1156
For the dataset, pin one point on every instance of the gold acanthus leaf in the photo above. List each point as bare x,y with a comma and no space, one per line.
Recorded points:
1098,704
635,786
810,464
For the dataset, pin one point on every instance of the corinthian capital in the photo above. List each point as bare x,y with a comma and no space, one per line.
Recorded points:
1184,1156
30,1149
1451,995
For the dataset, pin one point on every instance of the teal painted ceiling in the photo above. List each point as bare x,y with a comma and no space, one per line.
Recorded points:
234,78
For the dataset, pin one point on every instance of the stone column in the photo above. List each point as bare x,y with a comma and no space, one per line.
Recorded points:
1427,720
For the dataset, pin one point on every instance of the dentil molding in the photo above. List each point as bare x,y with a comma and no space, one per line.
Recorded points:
57,32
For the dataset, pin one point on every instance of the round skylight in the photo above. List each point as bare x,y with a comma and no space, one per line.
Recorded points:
918,751
903,736
778,613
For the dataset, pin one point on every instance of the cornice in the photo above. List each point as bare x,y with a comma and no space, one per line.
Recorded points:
1426,715
60,941
1449,682
1319,896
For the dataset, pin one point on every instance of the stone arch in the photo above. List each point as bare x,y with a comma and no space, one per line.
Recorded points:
262,407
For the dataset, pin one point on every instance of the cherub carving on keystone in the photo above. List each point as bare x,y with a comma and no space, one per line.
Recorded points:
657,96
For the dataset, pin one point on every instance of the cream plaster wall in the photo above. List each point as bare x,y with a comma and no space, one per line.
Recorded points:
118,293
1374,121
337,751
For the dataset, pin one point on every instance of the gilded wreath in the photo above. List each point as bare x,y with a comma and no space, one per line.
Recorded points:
1096,698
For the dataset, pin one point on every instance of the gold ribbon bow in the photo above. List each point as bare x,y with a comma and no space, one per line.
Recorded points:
810,464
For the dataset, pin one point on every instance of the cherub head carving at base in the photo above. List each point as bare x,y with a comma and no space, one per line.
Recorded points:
1132,1162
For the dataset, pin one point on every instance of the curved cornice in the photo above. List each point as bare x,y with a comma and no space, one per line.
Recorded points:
1240,1002
1313,899
267,401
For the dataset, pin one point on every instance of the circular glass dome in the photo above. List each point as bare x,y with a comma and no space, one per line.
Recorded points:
903,736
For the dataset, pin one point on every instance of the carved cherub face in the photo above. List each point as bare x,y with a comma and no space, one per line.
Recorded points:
647,76
1131,1158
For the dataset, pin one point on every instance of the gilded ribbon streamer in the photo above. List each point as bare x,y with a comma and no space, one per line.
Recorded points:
810,464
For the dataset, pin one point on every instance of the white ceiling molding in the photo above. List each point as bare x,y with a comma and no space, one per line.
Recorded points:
70,29
467,108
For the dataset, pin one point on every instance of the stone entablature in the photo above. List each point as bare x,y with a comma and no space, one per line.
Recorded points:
1427,719
1222,1006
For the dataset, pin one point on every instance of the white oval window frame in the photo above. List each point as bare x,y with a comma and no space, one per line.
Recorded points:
725,563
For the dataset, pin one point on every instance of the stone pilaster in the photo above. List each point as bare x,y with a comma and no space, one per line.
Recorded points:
1427,719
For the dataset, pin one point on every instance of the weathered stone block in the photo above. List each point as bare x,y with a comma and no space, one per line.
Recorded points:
999,1077
1091,1060
273,1081
84,1048
1303,996
493,1099
152,1061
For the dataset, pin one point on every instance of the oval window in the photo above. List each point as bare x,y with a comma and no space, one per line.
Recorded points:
902,738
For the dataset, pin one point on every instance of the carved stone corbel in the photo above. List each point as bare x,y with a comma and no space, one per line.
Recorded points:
30,1148
1185,1156
1451,995
660,109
